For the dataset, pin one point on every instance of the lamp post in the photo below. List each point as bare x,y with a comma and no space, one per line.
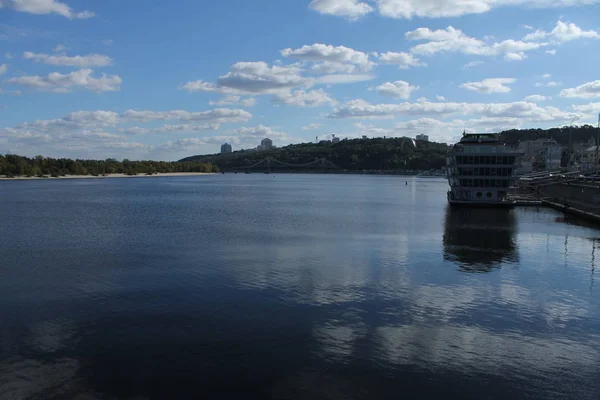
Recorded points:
598,145
571,158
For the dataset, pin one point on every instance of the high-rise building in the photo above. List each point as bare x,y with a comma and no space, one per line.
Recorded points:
423,138
225,148
266,144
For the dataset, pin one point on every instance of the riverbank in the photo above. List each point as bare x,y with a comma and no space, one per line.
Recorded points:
20,178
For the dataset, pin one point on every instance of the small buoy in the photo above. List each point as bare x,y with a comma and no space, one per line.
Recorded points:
406,183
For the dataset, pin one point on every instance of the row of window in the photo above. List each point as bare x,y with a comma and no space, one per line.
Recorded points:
485,171
466,195
495,183
506,160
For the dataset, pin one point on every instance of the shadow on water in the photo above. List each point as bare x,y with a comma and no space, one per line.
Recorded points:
480,239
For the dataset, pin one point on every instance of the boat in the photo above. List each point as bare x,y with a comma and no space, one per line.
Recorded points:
481,171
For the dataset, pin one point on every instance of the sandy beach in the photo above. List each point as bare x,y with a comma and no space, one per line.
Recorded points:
4,178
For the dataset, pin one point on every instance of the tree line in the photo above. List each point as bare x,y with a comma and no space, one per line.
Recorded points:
563,135
386,154
14,165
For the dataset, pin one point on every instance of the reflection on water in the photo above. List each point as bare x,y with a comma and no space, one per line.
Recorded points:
290,287
480,239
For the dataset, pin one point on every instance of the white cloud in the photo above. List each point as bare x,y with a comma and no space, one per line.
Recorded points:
107,42
454,40
249,102
311,127
403,60
90,60
551,52
90,133
398,89
351,9
260,131
344,78
219,115
228,100
547,76
537,97
225,101
253,78
472,64
520,109
589,110
339,54
59,48
57,82
586,91
41,7
408,9
547,84
563,32
327,67
73,123
3,69
440,98
8,56
491,85
515,56
187,128
431,8
135,130
301,98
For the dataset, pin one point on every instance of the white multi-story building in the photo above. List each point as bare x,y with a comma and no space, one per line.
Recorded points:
551,156
266,144
589,157
226,148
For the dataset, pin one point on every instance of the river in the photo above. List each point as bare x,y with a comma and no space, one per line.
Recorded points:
290,287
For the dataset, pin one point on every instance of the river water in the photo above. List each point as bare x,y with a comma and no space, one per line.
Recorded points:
290,287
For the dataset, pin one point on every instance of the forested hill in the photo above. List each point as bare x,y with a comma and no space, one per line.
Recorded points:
13,165
561,135
383,154
355,154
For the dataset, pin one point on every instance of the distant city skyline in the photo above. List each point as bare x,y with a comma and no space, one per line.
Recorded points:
85,79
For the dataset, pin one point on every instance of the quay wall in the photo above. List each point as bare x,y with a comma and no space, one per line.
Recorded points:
573,191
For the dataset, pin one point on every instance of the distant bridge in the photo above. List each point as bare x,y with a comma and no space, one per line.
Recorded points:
272,164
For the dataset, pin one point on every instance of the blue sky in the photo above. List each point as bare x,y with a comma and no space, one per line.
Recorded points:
164,80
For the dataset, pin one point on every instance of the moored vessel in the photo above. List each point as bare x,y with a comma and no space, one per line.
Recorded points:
481,171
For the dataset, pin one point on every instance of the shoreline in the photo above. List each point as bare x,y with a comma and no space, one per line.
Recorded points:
166,174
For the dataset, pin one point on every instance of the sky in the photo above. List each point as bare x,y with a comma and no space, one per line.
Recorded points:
165,80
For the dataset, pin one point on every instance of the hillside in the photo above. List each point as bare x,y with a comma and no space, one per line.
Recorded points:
561,135
383,154
355,154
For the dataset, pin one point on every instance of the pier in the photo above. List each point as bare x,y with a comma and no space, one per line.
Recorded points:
575,192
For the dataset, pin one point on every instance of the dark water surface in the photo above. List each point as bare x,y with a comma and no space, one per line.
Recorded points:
290,287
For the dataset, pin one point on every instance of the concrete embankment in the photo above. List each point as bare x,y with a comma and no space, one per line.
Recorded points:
582,200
